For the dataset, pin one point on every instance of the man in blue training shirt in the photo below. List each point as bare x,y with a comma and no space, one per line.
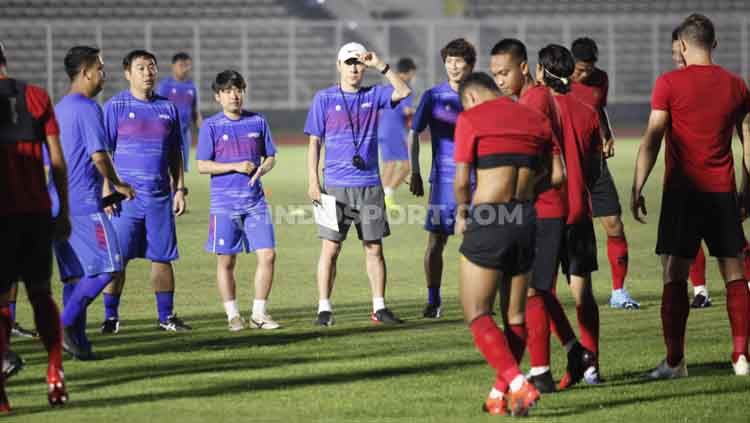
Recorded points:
439,109
179,88
235,147
91,257
392,136
143,129
344,118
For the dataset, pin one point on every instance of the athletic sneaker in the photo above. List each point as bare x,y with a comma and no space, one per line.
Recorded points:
325,318
543,382
701,301
663,371
263,322
741,367
432,311
495,406
72,346
4,404
236,324
18,330
522,400
621,299
390,203
386,317
174,324
591,376
111,326
12,364
57,395
579,359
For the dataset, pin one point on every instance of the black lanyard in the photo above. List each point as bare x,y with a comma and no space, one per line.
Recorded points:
355,132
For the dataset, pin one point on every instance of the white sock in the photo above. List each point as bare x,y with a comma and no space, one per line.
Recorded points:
517,383
324,305
378,303
700,289
495,394
259,307
388,191
569,345
536,371
230,307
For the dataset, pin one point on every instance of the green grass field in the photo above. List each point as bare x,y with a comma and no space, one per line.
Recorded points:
423,371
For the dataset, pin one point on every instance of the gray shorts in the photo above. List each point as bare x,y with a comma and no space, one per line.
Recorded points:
362,206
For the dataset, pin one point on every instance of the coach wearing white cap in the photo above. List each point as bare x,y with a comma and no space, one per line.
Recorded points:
344,118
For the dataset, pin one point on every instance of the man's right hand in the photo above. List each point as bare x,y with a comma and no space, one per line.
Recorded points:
313,191
247,167
416,186
125,189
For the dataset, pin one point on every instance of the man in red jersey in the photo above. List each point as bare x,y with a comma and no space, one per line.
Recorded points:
509,65
27,121
504,142
591,85
699,105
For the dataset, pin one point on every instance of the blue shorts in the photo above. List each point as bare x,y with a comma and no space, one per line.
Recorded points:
441,211
92,248
187,140
393,149
249,232
146,229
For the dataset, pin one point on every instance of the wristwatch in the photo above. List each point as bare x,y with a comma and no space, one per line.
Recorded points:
183,190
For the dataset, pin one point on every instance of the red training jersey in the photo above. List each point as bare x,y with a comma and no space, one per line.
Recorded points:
704,102
23,186
594,90
551,203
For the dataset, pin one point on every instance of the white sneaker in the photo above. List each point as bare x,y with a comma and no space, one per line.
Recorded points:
263,322
741,367
236,324
591,376
663,371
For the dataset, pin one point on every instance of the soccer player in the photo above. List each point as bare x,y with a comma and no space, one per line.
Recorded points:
180,90
438,109
91,258
235,147
504,142
392,136
591,85
509,66
699,105
344,118
27,122
143,129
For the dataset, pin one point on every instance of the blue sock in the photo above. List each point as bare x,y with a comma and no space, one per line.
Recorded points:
68,289
111,306
433,296
85,291
12,307
164,304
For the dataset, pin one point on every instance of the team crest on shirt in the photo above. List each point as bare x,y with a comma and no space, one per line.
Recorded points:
338,107
367,105
131,115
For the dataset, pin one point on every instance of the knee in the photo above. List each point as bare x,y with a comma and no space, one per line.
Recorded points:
436,245
374,250
267,257
613,226
330,250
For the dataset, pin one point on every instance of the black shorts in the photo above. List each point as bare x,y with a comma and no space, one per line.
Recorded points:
604,199
687,217
501,236
549,239
25,250
578,250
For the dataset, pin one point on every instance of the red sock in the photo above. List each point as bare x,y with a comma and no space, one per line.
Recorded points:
47,319
698,269
493,346
537,326
516,336
617,251
588,325
558,320
675,308
738,306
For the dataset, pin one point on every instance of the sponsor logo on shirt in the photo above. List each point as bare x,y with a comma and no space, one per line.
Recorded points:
174,90
253,135
131,115
338,107
163,116
225,137
367,105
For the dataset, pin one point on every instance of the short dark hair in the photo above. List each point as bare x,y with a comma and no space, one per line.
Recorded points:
511,46
137,54
558,64
460,48
676,34
405,64
478,80
180,57
585,50
3,60
698,29
228,79
79,57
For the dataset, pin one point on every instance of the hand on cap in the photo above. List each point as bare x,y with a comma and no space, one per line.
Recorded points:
371,60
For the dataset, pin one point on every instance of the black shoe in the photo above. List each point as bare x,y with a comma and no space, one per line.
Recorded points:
701,301
543,382
12,364
432,311
386,317
18,330
579,359
111,326
71,345
325,318
174,324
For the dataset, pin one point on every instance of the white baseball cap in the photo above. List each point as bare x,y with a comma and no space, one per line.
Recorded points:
351,51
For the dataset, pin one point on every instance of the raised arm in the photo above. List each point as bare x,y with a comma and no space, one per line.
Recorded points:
400,89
